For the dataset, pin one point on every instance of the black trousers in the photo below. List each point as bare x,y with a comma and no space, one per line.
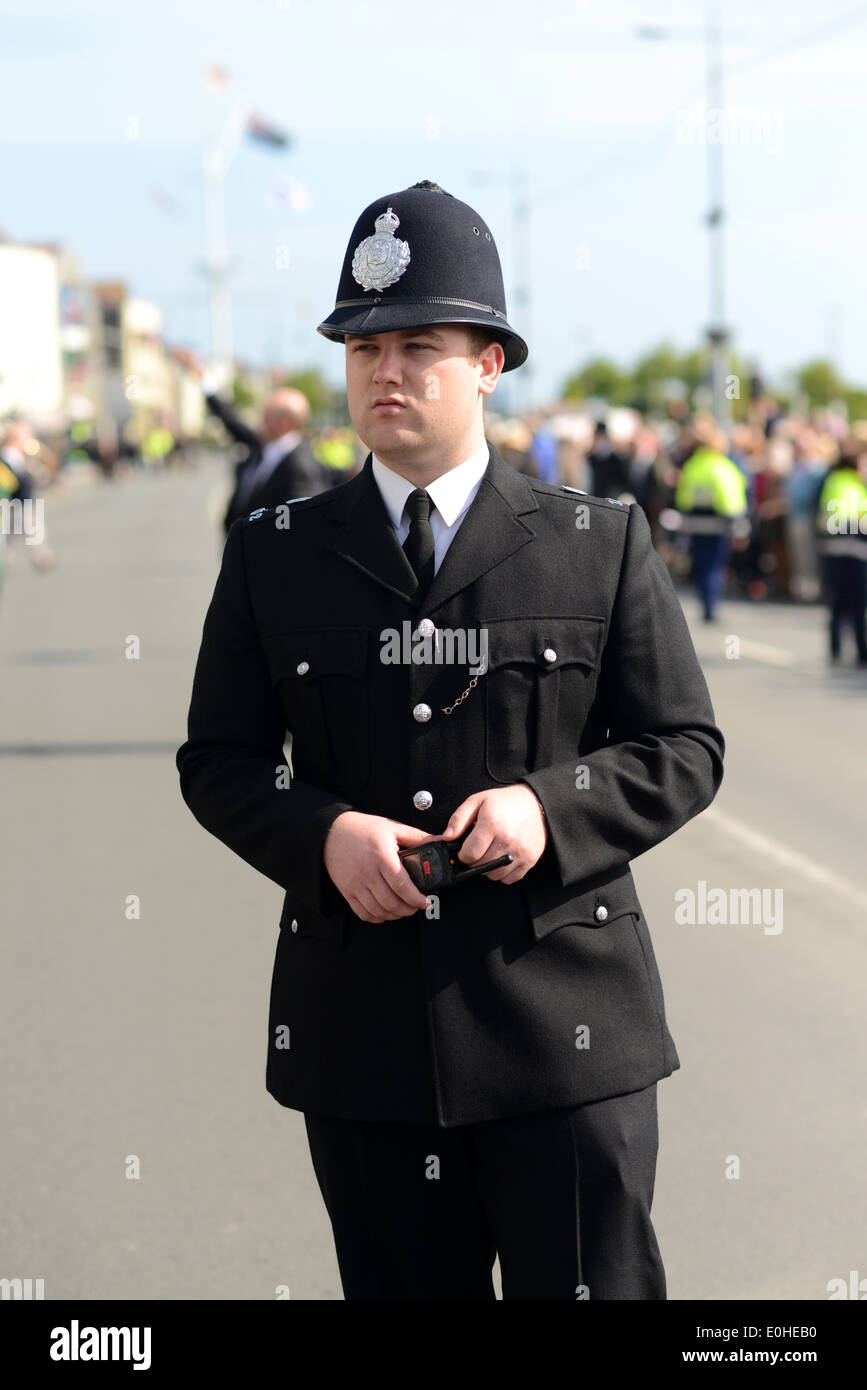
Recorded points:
845,579
562,1197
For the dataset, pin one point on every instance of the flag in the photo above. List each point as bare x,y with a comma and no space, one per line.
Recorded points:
266,134
287,191
162,200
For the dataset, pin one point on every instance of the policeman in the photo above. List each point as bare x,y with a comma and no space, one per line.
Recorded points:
841,543
502,664
711,495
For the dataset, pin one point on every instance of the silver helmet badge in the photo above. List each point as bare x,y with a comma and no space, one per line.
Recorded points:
381,259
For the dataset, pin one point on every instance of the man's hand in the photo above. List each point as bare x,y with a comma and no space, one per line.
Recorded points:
508,820
361,858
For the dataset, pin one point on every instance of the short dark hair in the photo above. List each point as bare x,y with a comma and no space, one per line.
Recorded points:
479,336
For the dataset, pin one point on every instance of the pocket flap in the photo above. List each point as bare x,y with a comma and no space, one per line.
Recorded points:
594,903
547,643
300,921
305,655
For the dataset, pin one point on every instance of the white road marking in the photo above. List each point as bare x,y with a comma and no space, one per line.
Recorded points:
781,854
763,651
756,651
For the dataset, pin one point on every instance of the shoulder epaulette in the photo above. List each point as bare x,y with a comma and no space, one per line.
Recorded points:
318,499
591,497
260,511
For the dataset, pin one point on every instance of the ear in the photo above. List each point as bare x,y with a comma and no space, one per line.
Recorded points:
491,363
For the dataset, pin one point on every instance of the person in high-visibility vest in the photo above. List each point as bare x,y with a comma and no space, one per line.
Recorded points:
841,542
8,481
711,494
22,475
156,446
335,450
8,488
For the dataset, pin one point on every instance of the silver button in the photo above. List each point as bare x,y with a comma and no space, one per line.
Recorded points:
549,655
422,801
426,627
302,668
293,925
422,713
601,913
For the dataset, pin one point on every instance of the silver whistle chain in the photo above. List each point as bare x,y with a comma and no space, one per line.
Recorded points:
447,709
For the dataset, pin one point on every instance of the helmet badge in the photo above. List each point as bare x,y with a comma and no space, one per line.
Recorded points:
381,259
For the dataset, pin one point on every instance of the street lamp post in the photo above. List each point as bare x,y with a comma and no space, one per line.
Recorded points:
217,155
717,333
518,180
718,337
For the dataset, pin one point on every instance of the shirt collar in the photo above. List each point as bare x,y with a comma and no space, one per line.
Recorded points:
450,493
278,447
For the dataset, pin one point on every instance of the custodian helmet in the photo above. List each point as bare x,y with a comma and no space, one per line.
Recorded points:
421,256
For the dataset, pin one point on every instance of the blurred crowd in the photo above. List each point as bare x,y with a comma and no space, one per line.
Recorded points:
784,461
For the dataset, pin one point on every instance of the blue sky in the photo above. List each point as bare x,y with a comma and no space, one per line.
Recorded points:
378,97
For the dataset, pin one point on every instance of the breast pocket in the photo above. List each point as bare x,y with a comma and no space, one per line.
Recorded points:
540,680
320,676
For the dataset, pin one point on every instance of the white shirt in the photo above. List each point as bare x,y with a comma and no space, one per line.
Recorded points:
274,450
451,495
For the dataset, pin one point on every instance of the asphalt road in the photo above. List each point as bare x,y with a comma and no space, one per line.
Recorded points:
145,1037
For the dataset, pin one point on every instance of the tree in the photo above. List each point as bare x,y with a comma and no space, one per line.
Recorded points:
313,385
820,383
242,397
648,385
649,375
856,404
598,377
694,369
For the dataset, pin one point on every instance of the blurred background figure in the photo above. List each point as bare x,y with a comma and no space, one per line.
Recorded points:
17,453
23,475
803,485
609,468
157,446
544,448
772,506
711,495
514,439
279,463
841,522
8,487
335,450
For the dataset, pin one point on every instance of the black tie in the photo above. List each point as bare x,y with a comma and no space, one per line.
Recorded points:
419,544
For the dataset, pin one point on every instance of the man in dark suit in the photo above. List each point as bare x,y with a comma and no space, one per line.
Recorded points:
487,659
279,463
609,469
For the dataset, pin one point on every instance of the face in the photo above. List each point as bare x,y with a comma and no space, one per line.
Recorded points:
433,393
